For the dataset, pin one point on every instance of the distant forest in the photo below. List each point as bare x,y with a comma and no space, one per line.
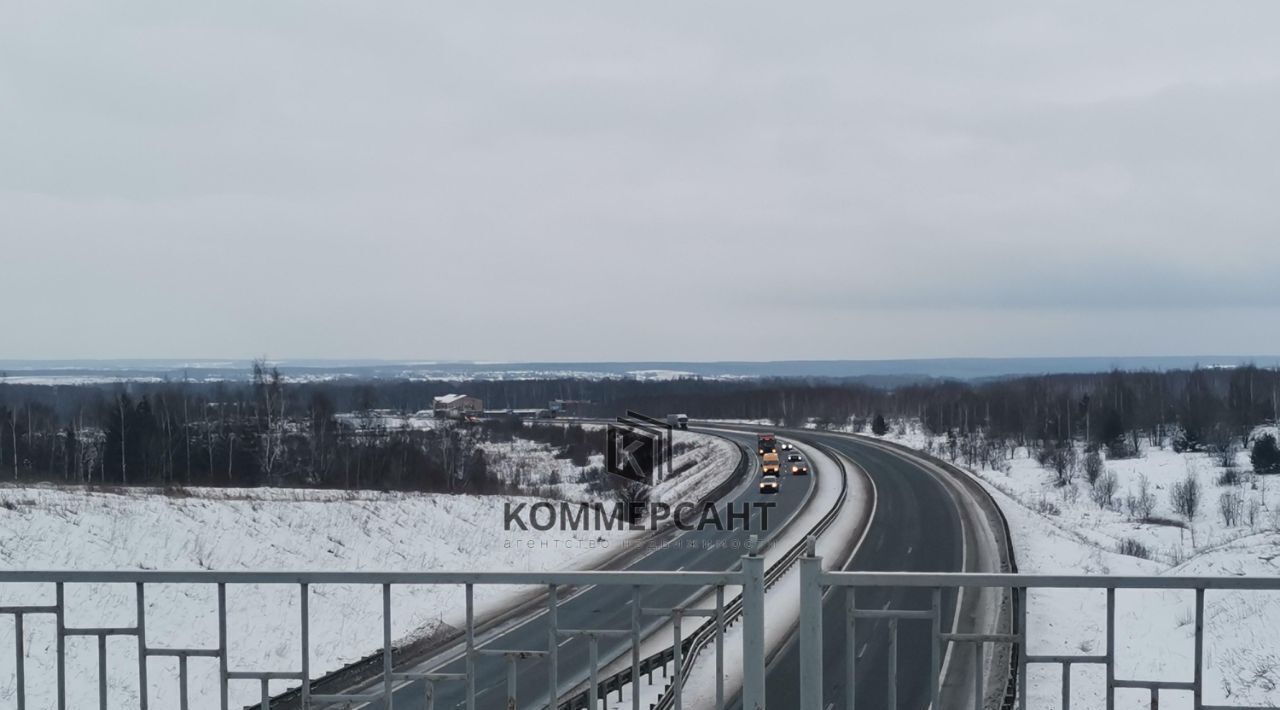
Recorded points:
270,431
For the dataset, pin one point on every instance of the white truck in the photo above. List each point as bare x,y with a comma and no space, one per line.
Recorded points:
678,421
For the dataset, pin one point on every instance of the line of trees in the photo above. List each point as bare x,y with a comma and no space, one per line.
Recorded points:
269,431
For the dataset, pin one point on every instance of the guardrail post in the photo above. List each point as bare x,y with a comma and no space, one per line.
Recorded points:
1197,695
810,628
753,627
553,644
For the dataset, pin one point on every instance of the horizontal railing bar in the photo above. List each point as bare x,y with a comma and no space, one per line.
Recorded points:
414,675
980,638
668,611
1067,660
28,610
1155,684
205,652
354,698
594,632
515,654
264,675
102,631
908,614
585,578
973,579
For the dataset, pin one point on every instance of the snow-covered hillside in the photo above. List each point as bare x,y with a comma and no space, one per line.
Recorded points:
1065,529
266,529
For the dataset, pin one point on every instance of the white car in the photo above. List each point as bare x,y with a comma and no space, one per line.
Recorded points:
769,485
786,446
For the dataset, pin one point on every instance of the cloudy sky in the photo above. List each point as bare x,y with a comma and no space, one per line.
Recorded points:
585,181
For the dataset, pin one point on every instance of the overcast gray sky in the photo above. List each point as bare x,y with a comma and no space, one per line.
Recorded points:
585,181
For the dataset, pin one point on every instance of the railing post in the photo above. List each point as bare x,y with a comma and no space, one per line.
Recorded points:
677,658
142,648
635,647
471,648
1197,694
388,698
553,645
1111,648
753,668
304,598
851,647
893,663
810,628
719,649
1023,636
935,650
223,661
62,647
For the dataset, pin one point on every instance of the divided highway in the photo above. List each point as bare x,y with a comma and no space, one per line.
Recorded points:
608,607
921,524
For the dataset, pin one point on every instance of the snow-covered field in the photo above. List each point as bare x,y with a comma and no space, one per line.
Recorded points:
265,529
1062,529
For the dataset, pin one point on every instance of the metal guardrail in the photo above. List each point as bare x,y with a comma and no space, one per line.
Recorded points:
750,577
703,636
814,580
1009,560
683,652
370,668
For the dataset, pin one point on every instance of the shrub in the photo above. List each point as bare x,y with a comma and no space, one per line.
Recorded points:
1143,504
1230,476
1185,496
878,425
1093,466
1230,504
1104,489
1265,455
1133,548
1047,507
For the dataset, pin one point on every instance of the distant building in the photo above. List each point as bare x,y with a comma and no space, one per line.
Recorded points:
455,405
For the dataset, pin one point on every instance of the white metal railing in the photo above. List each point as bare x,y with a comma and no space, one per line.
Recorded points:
814,581
750,576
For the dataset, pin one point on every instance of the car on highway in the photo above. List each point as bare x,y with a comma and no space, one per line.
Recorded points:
769,464
800,469
769,485
786,446
793,457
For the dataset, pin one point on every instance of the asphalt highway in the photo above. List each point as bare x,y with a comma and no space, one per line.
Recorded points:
917,527
609,607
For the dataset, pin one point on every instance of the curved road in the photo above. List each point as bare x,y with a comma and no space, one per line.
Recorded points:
917,527
608,607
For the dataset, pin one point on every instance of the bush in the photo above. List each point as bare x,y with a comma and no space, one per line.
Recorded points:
878,425
1230,476
1104,489
1142,505
1265,455
1047,507
1230,505
1093,466
1185,496
1133,548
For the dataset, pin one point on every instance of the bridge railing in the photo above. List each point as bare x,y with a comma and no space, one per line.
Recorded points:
750,577
815,581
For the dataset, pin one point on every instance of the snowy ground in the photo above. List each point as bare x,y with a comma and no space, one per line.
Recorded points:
265,529
1063,530
532,466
